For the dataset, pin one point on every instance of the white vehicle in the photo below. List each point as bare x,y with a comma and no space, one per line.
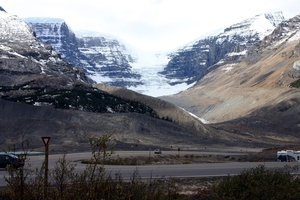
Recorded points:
288,156
157,151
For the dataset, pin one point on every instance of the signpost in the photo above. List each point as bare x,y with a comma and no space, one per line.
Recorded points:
46,143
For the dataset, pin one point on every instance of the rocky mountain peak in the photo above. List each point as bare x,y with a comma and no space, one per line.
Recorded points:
13,29
104,60
55,31
275,17
1,9
260,25
110,60
51,31
190,64
286,32
24,59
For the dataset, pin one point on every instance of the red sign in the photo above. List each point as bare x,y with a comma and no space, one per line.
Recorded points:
46,140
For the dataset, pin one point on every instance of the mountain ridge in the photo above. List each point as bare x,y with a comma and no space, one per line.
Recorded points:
248,104
253,96
43,95
183,68
193,62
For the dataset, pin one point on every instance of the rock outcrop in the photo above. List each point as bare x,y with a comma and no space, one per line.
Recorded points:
295,69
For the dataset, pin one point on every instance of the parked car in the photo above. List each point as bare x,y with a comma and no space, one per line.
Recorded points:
157,151
10,160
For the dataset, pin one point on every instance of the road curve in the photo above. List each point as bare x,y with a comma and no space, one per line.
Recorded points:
156,171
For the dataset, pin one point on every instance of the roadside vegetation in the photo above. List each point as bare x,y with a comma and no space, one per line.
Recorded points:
296,84
260,183
94,182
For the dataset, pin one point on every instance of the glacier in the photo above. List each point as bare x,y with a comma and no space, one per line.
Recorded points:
139,69
144,62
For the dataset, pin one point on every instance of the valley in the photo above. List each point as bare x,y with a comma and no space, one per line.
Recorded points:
230,90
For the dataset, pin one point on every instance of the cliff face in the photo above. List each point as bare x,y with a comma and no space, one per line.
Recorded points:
109,59
57,33
103,60
24,59
194,61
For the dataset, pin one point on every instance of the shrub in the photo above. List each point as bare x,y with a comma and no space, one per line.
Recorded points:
259,183
295,84
93,183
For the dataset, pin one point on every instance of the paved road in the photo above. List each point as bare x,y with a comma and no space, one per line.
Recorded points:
178,170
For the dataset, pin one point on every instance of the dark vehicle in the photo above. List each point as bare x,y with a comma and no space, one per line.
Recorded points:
157,151
10,160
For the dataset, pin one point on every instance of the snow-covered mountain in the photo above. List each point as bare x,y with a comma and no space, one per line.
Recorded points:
167,73
107,60
24,59
55,31
189,64
64,105
13,28
259,94
102,59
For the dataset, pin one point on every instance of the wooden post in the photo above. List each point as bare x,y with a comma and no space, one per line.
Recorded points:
46,169
46,162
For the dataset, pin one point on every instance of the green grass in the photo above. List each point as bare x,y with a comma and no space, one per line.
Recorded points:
295,84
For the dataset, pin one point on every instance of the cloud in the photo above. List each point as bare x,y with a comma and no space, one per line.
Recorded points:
160,24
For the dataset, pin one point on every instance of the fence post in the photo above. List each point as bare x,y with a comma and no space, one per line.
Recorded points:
46,143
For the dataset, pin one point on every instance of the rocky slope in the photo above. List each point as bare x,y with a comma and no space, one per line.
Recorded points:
253,97
69,129
211,136
163,109
194,61
24,59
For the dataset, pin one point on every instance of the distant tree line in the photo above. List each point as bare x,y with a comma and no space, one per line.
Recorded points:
79,98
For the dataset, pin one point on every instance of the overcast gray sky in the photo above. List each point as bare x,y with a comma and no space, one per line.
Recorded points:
150,24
